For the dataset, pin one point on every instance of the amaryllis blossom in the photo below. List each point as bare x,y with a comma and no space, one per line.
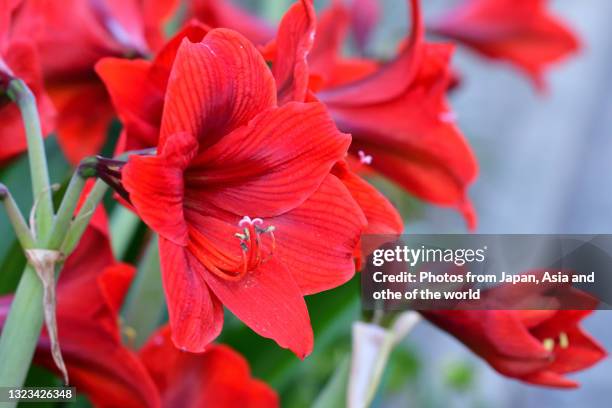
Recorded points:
219,377
538,347
521,32
224,13
70,43
396,111
138,88
18,59
90,292
241,194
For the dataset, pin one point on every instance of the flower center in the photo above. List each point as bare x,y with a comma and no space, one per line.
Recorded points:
550,343
255,251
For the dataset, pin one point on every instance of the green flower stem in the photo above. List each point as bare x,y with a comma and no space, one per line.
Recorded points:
78,226
21,331
123,225
145,304
23,233
24,322
62,220
24,98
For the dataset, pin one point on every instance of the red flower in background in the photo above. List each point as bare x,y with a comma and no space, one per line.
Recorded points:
397,112
70,43
223,13
227,151
219,377
535,346
521,32
18,59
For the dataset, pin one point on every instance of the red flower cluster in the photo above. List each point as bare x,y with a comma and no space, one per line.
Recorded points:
252,182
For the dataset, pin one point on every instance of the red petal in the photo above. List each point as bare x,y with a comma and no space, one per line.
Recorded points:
155,14
85,113
331,32
409,139
522,33
582,352
215,87
155,185
196,316
270,166
268,301
219,377
382,217
399,72
108,373
294,40
316,240
549,379
21,59
136,99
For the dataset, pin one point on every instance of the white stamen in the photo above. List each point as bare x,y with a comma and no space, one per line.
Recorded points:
247,220
364,158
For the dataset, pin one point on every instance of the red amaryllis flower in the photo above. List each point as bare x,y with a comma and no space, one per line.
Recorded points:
18,59
521,32
219,377
90,292
538,347
226,152
70,43
223,13
397,112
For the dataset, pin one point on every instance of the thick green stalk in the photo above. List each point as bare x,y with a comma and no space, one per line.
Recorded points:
145,304
123,225
21,331
24,98
24,322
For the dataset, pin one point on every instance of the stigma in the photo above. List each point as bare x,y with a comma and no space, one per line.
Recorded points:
257,245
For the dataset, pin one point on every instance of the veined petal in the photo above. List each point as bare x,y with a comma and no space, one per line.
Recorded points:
295,38
381,215
316,240
215,87
155,185
270,166
270,302
196,315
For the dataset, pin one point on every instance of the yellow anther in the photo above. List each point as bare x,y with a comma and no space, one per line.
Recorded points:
563,340
549,344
